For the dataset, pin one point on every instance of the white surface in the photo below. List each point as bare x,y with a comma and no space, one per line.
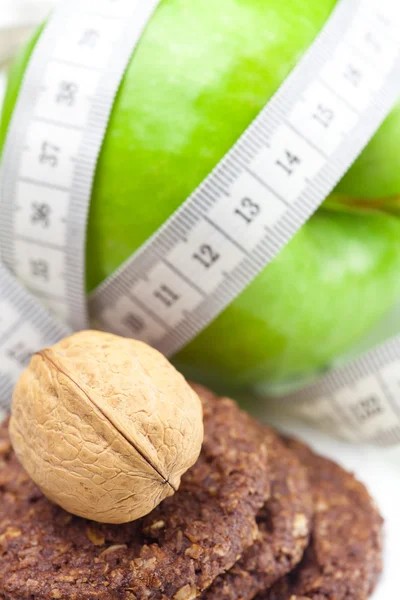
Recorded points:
17,13
17,17
380,471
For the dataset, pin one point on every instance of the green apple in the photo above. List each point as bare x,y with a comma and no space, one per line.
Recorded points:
201,73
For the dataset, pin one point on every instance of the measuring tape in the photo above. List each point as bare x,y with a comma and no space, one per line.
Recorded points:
25,326
239,218
266,187
360,402
53,144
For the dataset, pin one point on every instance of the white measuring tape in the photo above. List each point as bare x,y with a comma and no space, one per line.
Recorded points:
25,326
53,144
268,185
238,219
360,402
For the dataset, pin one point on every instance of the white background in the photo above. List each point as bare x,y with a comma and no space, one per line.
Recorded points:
378,469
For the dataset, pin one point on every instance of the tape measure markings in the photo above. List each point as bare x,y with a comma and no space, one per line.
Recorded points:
53,144
360,397
25,326
160,274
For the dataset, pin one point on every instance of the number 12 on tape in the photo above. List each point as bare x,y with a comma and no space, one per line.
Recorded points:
360,402
266,187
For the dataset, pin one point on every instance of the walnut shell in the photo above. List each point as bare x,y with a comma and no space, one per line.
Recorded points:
105,426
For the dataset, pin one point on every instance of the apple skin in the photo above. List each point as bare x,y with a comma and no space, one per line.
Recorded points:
200,74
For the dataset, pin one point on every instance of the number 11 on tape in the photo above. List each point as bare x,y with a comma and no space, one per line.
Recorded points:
265,188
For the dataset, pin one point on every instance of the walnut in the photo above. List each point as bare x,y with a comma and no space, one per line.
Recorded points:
105,426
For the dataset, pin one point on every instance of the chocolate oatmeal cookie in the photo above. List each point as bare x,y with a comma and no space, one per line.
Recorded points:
173,553
284,527
343,560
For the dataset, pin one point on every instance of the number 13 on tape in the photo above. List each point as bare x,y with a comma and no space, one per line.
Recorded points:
266,187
